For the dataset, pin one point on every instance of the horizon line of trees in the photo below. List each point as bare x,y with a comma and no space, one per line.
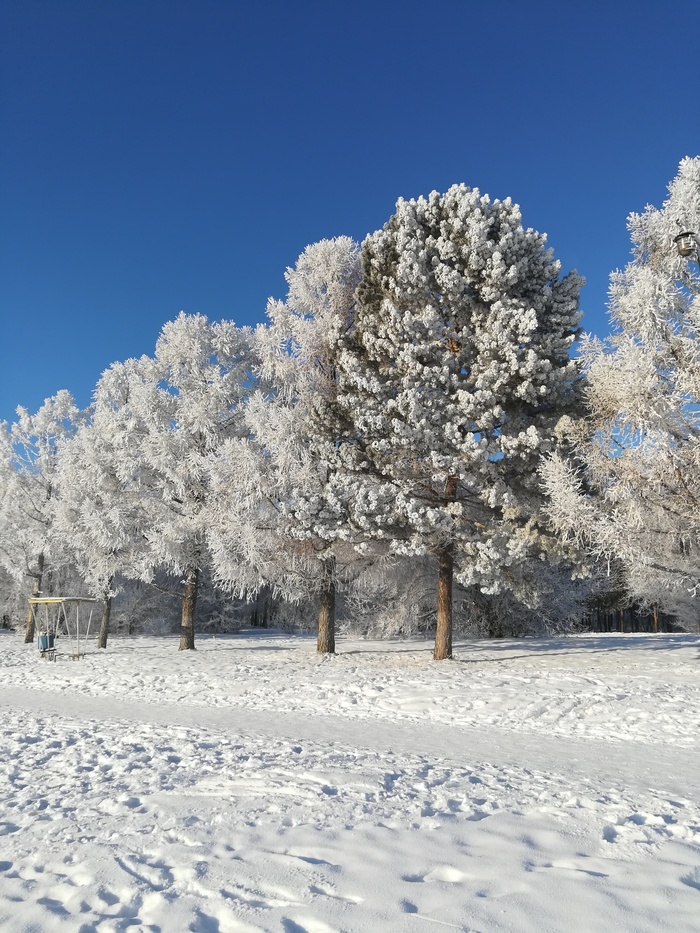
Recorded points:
412,402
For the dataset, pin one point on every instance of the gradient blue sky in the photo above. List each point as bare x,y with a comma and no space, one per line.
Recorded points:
159,155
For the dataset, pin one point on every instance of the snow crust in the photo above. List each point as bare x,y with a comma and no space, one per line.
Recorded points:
529,785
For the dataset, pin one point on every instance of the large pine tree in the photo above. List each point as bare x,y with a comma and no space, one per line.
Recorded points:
451,383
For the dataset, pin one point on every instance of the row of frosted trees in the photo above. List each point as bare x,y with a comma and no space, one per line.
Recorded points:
407,405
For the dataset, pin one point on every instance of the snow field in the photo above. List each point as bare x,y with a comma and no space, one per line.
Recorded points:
133,796
632,687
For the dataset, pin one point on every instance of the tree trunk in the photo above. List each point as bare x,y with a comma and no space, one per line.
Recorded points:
106,613
260,614
443,632
36,590
189,604
326,614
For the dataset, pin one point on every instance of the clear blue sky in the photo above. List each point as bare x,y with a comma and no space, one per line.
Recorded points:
159,155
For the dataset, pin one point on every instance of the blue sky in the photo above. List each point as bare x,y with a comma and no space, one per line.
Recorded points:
159,155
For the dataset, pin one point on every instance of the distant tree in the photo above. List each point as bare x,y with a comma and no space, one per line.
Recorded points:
630,491
157,423
99,511
272,522
451,383
13,601
29,451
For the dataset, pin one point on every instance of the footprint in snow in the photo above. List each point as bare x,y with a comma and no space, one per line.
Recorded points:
156,875
305,925
692,879
326,892
445,873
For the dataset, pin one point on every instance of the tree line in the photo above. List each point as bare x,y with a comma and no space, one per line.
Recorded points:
412,403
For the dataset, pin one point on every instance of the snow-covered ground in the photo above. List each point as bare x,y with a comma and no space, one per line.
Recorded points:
529,785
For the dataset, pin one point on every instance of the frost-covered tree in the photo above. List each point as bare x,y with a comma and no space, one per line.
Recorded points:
630,490
29,451
451,383
12,601
273,522
99,511
160,421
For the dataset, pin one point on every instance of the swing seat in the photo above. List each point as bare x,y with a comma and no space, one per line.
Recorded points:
47,646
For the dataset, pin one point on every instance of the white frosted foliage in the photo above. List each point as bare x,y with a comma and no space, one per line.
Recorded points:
30,449
452,382
272,517
637,453
142,460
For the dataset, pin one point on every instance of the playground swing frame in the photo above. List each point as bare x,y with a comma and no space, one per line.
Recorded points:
49,626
